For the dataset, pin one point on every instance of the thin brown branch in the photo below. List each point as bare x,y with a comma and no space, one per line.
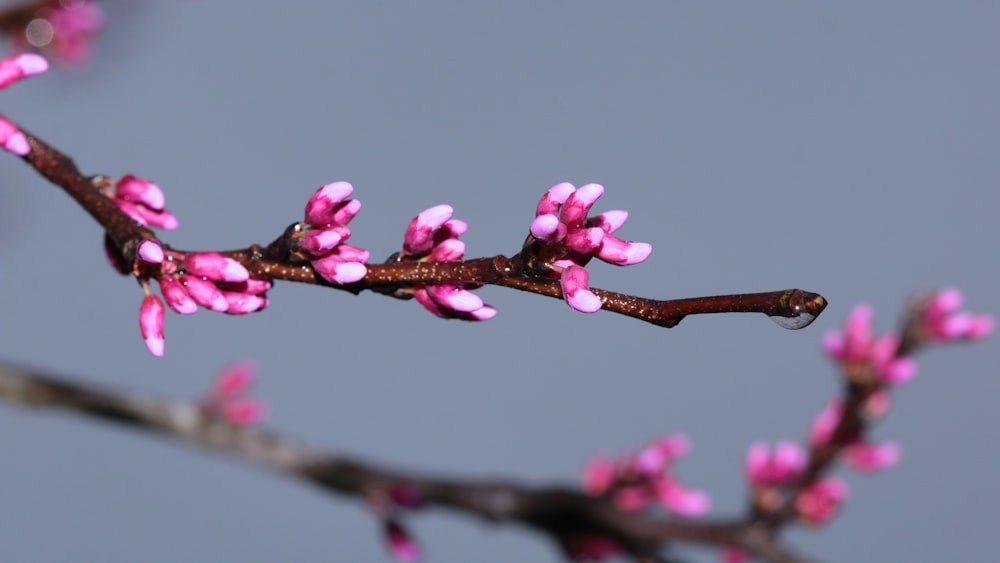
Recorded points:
555,512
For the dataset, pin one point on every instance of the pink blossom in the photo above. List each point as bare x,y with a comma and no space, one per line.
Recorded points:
568,240
401,545
322,240
227,398
214,266
634,481
944,322
868,457
820,501
432,236
857,349
780,466
12,139
64,29
141,200
17,68
151,324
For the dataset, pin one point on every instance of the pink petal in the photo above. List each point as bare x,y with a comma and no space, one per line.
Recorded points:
131,188
547,228
584,241
151,324
205,293
576,292
455,298
176,296
863,456
623,253
151,251
216,267
235,379
320,207
483,313
243,412
449,250
243,303
554,198
14,69
12,138
419,236
318,241
610,221
335,269
401,545
573,213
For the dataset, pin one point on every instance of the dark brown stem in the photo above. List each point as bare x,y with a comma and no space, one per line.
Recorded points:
798,307
555,512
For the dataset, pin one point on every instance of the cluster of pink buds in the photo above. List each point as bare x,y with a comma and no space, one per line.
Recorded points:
322,238
770,471
388,504
567,240
63,29
208,279
636,480
943,322
432,236
227,398
13,70
140,199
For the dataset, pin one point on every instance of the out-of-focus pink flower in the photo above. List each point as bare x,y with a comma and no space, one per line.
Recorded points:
569,239
227,398
819,502
857,453
327,213
868,457
857,349
401,544
636,480
780,466
944,322
151,324
730,554
141,200
432,236
64,29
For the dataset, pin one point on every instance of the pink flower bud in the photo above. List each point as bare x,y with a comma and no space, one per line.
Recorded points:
205,293
599,475
151,251
335,269
554,198
234,380
401,545
16,68
574,212
319,241
177,296
454,297
215,266
243,412
12,139
576,292
623,253
819,502
863,456
151,324
548,228
419,236
244,303
320,207
131,188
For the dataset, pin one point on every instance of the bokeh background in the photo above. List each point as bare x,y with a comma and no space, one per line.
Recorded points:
846,148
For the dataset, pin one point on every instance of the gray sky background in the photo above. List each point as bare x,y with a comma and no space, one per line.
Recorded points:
848,148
